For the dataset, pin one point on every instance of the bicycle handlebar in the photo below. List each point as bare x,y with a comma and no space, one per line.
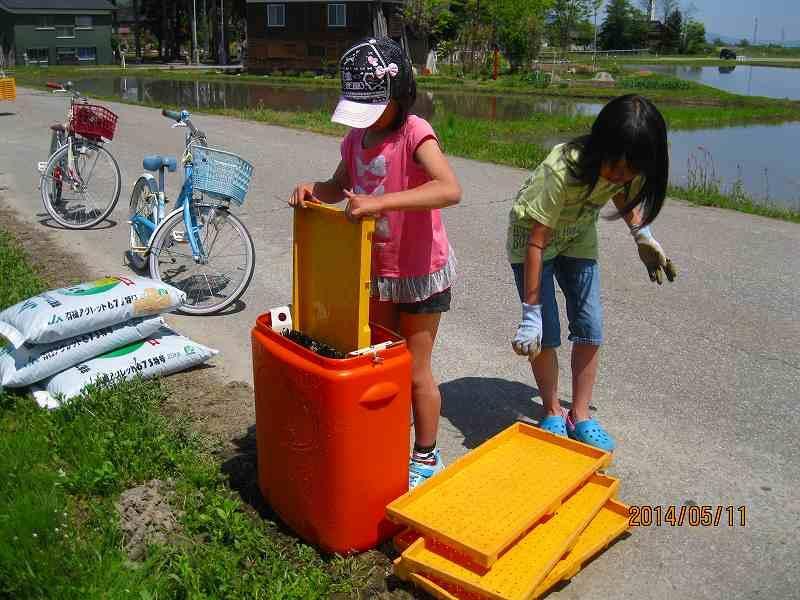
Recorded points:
183,117
171,114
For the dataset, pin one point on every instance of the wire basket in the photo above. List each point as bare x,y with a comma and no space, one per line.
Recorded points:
93,121
8,88
220,173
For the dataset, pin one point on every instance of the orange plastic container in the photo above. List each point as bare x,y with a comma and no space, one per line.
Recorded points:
332,437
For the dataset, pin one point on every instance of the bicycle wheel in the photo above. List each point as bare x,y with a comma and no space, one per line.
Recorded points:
144,203
81,197
215,285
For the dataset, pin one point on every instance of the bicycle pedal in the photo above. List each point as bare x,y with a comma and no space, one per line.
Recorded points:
41,166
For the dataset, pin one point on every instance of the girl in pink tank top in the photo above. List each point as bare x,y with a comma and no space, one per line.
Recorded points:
392,169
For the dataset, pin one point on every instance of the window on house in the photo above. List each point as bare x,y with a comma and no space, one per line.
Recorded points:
276,15
337,15
65,31
66,56
87,54
83,22
39,56
45,22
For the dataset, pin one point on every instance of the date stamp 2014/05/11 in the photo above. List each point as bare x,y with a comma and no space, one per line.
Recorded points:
690,515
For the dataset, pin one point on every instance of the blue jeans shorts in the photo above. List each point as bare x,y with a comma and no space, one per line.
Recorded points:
579,279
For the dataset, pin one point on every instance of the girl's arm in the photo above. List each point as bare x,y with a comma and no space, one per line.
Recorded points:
329,192
633,218
441,191
538,239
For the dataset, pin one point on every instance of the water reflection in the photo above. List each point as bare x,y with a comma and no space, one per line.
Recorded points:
772,82
193,94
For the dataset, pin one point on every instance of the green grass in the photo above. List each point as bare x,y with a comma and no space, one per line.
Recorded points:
735,200
63,470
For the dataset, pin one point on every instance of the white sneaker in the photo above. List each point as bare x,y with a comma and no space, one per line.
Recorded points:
422,467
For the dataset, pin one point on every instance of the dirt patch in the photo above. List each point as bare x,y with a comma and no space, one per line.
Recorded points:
146,517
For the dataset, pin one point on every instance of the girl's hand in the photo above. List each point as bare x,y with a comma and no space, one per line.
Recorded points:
361,205
301,194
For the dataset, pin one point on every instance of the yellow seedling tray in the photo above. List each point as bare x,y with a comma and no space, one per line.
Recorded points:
8,88
487,499
404,539
330,293
610,523
437,589
517,574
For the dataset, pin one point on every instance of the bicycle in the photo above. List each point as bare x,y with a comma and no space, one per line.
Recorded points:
75,192
178,247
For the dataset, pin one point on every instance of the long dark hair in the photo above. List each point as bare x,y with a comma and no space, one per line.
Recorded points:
406,94
628,128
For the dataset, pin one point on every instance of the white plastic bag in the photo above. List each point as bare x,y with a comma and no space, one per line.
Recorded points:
34,362
68,312
161,354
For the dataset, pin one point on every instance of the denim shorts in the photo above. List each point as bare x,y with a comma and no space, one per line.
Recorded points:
579,279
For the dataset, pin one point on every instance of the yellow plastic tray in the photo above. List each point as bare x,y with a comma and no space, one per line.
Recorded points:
8,88
518,573
404,539
330,293
483,502
610,523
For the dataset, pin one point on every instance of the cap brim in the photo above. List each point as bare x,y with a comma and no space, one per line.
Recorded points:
358,114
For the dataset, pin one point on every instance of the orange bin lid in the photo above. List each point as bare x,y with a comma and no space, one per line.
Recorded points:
332,261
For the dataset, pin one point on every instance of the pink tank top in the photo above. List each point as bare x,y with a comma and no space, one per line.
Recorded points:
406,243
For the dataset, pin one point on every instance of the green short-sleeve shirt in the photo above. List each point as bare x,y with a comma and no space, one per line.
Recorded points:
555,199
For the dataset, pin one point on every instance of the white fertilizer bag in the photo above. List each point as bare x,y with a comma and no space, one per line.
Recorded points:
34,362
161,354
68,312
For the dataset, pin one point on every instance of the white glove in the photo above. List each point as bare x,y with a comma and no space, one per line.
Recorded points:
653,257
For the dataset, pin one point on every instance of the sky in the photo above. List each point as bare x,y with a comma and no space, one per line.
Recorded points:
735,17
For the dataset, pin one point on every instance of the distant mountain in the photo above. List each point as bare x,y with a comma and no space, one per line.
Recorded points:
732,40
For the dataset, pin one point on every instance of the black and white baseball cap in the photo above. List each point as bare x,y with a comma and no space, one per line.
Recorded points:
373,72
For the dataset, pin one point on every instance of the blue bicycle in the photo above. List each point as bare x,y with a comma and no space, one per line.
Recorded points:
199,247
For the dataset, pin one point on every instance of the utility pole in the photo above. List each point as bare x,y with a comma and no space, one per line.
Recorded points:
223,52
594,48
755,30
195,49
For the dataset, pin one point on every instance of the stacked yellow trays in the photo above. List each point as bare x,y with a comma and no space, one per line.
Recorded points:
8,88
509,520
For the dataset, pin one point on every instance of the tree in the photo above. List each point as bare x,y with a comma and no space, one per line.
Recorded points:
614,30
427,18
564,17
624,27
744,43
694,37
518,26
673,28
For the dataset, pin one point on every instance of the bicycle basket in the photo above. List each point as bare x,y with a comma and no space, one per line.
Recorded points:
93,121
220,173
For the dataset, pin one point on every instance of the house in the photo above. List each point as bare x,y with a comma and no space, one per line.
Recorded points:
56,32
311,35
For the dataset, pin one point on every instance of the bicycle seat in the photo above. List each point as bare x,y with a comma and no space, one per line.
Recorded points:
57,127
155,162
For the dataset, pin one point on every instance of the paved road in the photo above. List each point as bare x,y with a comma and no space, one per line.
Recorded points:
699,381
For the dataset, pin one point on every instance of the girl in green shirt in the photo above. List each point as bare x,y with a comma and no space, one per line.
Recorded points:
552,233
